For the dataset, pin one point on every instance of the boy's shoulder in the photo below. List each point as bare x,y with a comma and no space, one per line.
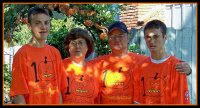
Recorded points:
53,49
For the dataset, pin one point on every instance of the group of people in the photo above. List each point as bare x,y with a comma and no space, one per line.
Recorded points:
40,76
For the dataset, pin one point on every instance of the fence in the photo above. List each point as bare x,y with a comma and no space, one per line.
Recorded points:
8,55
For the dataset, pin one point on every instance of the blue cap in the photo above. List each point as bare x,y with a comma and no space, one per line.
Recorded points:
118,25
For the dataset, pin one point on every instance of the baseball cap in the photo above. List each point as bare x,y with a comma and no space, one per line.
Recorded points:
118,25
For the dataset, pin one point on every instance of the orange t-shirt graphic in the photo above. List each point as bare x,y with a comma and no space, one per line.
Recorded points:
83,87
161,83
116,78
38,74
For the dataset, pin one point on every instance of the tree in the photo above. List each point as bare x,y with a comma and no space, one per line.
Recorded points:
93,17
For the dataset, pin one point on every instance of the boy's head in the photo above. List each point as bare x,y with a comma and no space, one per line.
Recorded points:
39,23
156,24
155,35
36,10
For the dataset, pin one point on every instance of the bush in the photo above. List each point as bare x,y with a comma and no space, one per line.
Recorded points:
135,48
7,81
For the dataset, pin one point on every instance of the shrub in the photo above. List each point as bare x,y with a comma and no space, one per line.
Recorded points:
7,81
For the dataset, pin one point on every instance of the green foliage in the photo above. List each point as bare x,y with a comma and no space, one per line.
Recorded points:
102,46
7,81
104,16
11,12
61,24
59,31
7,75
65,23
135,48
57,34
22,36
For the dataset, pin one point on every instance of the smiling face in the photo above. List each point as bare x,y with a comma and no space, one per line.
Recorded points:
154,39
78,48
118,40
39,26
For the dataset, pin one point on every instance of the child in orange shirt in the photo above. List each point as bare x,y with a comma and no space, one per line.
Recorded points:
156,79
37,73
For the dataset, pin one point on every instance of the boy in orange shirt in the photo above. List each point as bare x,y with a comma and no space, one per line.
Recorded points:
156,79
37,74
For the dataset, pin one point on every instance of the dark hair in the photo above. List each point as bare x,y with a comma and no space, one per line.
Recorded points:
76,33
37,10
156,24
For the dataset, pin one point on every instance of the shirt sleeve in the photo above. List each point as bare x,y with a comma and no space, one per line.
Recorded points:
98,68
180,92
136,84
19,85
98,71
62,74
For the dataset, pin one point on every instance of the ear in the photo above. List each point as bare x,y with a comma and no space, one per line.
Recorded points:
165,37
29,26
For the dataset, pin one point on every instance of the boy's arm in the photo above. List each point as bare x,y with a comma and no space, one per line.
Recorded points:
18,85
19,99
61,100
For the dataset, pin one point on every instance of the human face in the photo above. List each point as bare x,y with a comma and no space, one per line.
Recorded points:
39,26
154,40
118,40
78,48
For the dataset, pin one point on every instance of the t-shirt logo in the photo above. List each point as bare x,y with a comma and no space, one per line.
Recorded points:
43,70
83,86
152,85
44,75
186,95
116,79
46,71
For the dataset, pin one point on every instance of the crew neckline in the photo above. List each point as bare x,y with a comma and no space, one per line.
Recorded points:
159,61
119,58
36,47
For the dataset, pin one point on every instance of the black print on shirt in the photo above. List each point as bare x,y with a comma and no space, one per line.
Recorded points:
43,70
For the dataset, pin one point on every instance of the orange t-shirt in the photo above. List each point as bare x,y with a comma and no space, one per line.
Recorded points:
160,83
38,74
116,78
83,86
